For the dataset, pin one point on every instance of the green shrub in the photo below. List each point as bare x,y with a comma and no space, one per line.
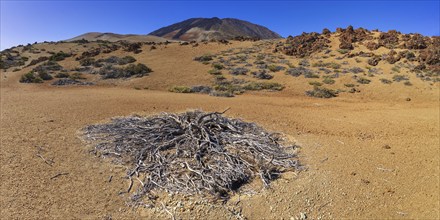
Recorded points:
315,83
343,51
220,77
263,86
59,56
334,65
399,78
349,85
87,61
407,83
319,92
385,81
328,80
30,77
221,93
275,68
45,76
180,89
217,66
126,60
362,80
310,75
395,69
204,58
76,76
215,72
62,75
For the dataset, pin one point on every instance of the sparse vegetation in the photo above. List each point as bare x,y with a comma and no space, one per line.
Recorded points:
30,77
263,86
262,75
311,75
320,92
298,71
218,66
111,72
215,72
315,83
385,81
180,89
362,80
59,56
275,68
398,78
328,80
395,69
204,58
239,71
343,51
87,61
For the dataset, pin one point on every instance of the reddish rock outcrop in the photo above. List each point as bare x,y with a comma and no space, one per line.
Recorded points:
304,44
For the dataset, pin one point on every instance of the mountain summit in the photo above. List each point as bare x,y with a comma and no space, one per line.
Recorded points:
214,28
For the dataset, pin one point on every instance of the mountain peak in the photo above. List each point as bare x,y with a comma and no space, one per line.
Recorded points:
214,28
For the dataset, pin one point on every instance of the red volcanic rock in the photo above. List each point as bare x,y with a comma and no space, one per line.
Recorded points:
304,44
389,39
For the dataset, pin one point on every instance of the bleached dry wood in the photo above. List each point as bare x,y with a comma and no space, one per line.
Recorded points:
193,152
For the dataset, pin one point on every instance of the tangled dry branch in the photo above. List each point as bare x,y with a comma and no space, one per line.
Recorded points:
193,153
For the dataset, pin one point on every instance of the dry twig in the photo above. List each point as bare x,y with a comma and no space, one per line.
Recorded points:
193,152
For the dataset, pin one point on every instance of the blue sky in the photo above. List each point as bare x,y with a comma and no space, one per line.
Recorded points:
29,21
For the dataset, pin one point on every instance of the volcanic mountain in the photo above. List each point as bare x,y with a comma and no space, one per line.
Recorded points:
112,37
214,28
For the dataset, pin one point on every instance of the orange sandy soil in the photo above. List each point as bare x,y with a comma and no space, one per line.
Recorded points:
350,171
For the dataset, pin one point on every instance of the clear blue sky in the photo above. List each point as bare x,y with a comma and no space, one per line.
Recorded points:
29,21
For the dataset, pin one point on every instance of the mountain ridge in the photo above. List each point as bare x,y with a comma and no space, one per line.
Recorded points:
199,29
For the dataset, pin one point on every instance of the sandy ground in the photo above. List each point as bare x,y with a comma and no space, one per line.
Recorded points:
368,155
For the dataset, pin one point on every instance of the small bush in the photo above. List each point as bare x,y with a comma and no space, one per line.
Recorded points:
239,71
215,72
204,58
298,71
343,51
356,70
201,89
395,69
76,76
263,86
110,72
319,92
262,75
87,61
30,77
220,77
126,60
48,66
328,80
349,85
399,78
407,83
62,75
45,76
385,81
218,66
275,68
221,93
315,83
311,75
180,89
304,63
59,56
334,65
362,80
